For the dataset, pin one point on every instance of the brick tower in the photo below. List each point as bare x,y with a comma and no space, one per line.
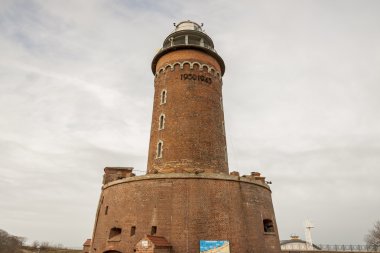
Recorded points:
187,202
187,132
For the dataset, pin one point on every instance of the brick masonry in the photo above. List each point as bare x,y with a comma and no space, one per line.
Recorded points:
193,136
186,208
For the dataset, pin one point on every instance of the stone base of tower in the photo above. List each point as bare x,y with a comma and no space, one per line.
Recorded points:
184,209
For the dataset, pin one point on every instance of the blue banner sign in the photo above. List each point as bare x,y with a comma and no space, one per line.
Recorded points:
214,246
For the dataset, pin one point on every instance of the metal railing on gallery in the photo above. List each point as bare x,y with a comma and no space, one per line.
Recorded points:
331,247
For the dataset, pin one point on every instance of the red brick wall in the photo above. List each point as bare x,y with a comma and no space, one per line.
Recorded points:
193,136
86,249
115,173
188,208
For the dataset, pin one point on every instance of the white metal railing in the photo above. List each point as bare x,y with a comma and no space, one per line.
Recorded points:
331,247
205,46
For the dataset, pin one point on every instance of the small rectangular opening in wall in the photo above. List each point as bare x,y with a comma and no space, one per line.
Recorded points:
133,230
115,234
268,226
153,230
106,212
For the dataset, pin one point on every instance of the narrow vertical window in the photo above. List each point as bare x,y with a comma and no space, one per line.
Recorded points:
106,212
153,230
221,103
163,97
133,230
223,128
159,149
161,123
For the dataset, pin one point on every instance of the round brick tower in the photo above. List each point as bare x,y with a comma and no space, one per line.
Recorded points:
187,131
187,202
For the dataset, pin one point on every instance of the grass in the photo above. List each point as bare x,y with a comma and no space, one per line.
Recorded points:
28,249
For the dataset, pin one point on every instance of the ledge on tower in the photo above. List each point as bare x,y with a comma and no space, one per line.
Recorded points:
255,176
116,173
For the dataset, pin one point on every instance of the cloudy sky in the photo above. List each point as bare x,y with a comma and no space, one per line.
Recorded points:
301,98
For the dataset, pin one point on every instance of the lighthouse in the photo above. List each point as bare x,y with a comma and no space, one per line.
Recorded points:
188,133
188,201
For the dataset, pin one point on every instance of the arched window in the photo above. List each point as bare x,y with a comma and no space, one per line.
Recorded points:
161,122
268,225
164,94
159,149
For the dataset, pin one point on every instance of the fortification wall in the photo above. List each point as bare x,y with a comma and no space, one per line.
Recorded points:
186,208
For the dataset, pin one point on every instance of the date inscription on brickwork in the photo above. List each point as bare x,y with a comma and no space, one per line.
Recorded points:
196,77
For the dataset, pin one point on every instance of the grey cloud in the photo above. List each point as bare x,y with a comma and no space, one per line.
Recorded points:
300,97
